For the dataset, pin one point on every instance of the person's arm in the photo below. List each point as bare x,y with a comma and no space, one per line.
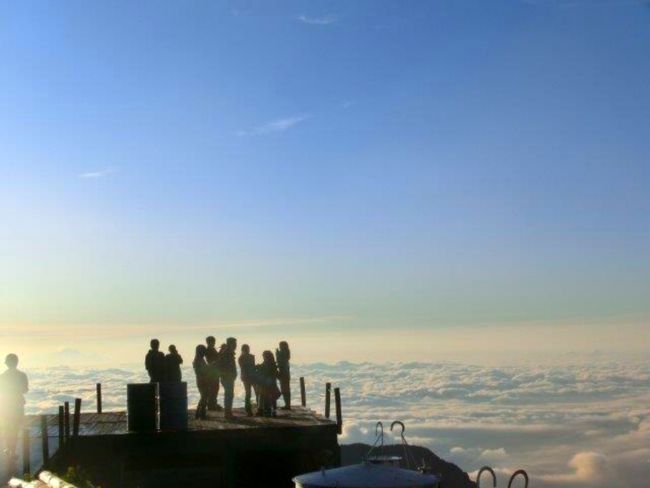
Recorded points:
147,362
180,359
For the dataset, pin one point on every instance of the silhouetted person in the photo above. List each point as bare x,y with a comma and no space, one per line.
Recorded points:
282,356
202,372
247,369
228,372
13,386
267,376
155,363
173,362
212,357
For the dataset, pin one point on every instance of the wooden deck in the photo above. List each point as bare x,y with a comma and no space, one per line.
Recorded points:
114,423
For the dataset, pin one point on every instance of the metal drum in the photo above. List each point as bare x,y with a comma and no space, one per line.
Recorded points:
142,407
173,406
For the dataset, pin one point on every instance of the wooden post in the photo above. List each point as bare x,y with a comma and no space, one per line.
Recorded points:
99,397
66,419
303,393
45,440
77,417
26,453
61,428
339,415
328,399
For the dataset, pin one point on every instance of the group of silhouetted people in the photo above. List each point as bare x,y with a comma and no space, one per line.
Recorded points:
215,368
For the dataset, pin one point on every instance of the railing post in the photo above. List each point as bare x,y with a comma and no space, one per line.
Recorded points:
328,399
339,414
303,393
99,397
26,452
61,426
66,420
77,417
45,440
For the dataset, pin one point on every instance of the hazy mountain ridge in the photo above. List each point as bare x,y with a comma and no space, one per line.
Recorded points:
451,475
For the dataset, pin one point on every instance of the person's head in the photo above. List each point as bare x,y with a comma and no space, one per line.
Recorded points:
268,357
231,342
284,346
245,349
210,341
155,344
201,350
222,347
172,349
11,361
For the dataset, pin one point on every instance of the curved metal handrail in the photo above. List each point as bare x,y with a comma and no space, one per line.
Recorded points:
379,439
401,424
489,470
515,474
379,436
410,462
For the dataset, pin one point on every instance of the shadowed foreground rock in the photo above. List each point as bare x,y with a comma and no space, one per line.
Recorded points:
452,476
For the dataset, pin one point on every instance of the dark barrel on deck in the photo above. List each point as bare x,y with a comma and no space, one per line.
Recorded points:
173,406
142,407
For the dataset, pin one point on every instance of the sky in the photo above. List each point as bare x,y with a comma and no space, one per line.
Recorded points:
369,180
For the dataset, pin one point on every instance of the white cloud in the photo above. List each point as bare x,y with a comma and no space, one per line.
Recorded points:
97,174
278,125
574,426
323,20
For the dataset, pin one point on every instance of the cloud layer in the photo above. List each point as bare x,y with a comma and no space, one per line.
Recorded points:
570,426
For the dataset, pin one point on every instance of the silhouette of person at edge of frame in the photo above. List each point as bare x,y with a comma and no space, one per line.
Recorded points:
228,372
247,370
212,358
282,356
202,372
155,363
173,362
13,386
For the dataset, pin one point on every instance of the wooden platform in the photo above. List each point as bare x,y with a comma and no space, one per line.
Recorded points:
114,423
241,452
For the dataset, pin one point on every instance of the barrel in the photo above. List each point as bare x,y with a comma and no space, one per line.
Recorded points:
142,407
173,406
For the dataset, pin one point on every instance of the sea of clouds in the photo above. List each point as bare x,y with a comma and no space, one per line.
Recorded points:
568,426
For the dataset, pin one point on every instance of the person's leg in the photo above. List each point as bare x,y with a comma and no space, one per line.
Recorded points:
247,398
228,395
260,401
216,393
204,392
285,387
11,438
211,394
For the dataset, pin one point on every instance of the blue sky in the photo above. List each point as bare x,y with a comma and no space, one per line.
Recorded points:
324,166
